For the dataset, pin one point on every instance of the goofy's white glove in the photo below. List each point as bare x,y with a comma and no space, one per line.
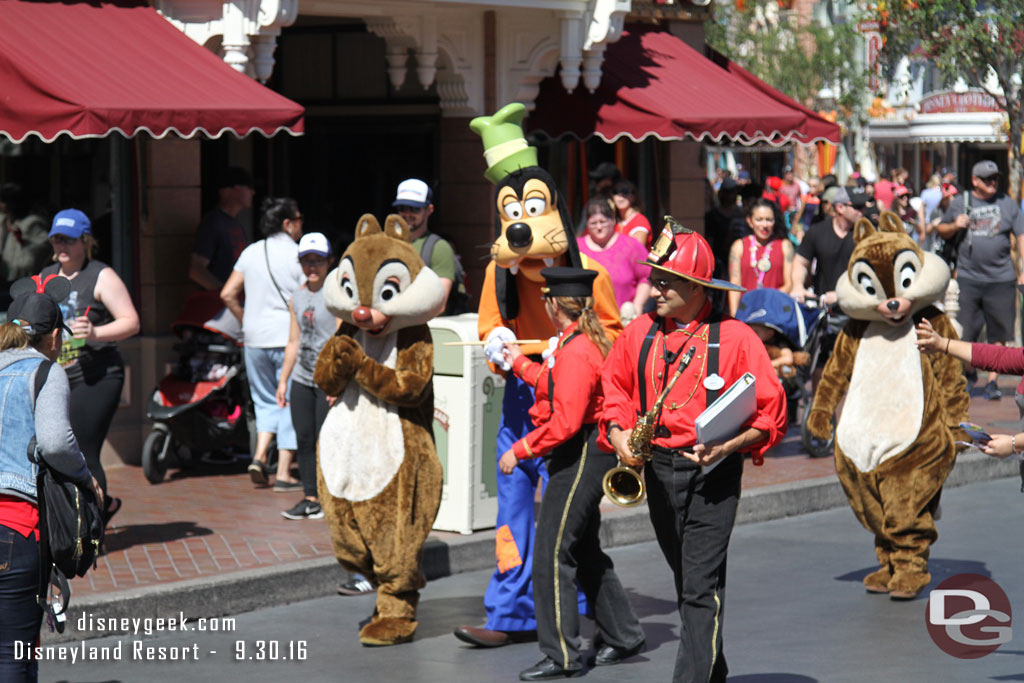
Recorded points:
494,349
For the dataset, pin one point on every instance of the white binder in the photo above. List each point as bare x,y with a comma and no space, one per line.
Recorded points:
723,419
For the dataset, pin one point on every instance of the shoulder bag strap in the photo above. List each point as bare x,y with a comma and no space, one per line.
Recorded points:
45,560
266,255
42,372
427,248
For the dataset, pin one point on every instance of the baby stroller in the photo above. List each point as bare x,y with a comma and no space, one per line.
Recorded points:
203,405
801,328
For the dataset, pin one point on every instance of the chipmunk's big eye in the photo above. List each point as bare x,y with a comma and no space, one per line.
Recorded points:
389,290
866,284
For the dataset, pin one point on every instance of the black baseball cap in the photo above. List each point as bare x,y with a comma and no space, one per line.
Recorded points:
36,313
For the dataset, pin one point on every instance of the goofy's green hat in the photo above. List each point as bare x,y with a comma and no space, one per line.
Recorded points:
505,147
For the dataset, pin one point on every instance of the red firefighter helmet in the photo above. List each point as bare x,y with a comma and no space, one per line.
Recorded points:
686,254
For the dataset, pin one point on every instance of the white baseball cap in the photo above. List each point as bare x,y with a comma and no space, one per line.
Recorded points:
314,243
412,192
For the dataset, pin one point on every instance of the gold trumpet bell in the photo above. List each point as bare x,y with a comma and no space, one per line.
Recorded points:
624,486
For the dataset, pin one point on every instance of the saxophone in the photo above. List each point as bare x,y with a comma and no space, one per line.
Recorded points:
622,484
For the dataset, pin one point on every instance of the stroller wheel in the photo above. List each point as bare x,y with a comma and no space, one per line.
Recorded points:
154,455
815,447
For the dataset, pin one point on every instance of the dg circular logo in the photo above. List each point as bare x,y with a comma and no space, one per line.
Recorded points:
968,616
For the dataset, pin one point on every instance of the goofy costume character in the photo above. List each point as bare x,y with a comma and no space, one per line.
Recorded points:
534,232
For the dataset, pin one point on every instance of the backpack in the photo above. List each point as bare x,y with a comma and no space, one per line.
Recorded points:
458,299
948,250
71,526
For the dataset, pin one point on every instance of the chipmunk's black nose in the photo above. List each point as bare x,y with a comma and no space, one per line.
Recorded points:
893,305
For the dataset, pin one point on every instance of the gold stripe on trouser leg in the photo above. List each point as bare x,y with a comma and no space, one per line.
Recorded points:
558,544
714,634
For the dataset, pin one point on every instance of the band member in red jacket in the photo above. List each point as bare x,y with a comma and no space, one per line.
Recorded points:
692,508
566,548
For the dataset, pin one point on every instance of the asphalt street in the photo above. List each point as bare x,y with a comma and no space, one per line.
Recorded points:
796,612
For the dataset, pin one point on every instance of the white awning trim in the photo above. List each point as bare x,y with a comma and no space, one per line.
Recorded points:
760,138
195,132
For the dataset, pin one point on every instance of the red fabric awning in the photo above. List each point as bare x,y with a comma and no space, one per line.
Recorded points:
655,84
87,69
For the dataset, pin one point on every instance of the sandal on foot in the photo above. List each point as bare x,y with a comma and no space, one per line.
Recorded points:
258,473
111,509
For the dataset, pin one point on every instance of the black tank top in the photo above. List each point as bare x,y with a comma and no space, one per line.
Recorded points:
79,300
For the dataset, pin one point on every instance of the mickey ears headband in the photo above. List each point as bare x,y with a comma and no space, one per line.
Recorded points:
55,286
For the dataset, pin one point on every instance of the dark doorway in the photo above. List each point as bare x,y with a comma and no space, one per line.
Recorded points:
347,166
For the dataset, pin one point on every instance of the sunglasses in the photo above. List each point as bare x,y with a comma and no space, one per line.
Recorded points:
63,239
991,180
663,283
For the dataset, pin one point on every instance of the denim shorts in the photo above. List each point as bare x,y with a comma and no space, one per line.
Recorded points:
263,367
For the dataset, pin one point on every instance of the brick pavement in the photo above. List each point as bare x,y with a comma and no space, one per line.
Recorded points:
212,520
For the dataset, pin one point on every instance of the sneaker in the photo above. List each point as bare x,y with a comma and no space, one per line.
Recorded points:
358,586
306,509
992,392
285,486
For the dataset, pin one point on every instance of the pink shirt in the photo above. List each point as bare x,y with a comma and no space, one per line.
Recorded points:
621,260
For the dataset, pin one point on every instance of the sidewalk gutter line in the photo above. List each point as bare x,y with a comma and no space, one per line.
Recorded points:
256,588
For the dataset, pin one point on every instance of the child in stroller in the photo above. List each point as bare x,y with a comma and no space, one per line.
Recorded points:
202,406
792,335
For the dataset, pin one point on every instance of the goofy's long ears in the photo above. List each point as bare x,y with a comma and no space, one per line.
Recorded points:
56,286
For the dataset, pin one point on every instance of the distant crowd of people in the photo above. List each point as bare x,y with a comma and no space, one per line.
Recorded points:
972,228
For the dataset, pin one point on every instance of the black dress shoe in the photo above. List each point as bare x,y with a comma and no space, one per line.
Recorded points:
609,654
546,670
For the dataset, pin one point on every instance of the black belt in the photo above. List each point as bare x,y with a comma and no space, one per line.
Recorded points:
675,453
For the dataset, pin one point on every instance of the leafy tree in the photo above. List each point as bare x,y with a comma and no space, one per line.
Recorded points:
968,39
793,53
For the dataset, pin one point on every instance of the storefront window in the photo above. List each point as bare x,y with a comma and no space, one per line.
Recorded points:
37,179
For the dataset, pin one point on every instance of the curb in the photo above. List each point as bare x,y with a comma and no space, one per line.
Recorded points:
252,589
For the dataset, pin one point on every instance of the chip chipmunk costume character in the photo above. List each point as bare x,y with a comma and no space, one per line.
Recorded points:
895,440
378,475
534,232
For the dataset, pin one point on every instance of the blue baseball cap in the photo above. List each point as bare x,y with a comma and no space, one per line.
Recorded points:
71,223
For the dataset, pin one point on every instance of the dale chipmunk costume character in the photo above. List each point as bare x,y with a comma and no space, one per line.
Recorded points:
895,441
378,475
534,232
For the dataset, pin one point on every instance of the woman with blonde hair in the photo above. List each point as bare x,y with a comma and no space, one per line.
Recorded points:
100,313
35,406
567,550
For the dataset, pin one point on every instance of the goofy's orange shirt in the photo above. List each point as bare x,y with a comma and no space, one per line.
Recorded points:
532,322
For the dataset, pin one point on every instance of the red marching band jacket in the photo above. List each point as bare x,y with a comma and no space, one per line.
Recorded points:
740,351
576,376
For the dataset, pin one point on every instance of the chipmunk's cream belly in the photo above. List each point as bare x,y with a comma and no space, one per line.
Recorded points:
884,405
361,443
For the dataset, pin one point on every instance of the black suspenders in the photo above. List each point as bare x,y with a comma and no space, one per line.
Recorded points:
714,325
